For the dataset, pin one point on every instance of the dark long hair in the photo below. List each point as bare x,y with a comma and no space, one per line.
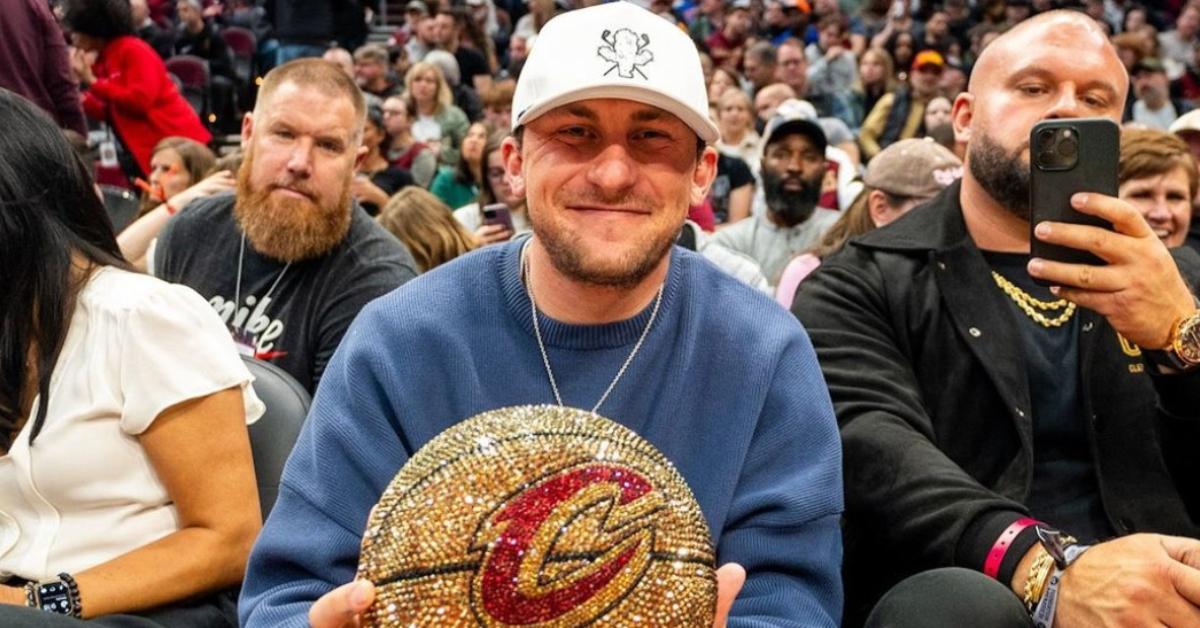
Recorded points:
49,211
105,19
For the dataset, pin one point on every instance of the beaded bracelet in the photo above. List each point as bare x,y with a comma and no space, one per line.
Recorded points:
76,600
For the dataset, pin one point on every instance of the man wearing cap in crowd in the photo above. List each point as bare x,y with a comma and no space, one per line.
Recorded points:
371,72
597,309
424,31
1020,433
899,115
1154,106
900,177
842,161
792,171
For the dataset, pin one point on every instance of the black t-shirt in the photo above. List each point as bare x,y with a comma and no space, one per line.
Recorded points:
1065,492
208,45
390,180
732,173
299,322
471,63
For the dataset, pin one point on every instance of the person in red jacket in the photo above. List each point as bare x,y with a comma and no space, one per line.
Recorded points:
127,85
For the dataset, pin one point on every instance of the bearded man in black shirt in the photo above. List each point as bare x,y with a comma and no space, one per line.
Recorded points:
289,259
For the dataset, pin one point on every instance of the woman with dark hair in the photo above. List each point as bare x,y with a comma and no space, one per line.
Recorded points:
458,185
902,48
376,180
127,486
127,86
494,188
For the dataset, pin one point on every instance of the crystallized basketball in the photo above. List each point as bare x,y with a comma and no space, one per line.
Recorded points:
539,516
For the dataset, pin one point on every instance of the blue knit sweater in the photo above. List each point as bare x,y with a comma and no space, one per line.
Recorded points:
726,386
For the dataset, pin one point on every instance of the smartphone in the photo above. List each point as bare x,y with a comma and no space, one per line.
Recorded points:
1068,156
497,214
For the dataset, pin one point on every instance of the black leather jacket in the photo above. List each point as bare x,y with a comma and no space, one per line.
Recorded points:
923,360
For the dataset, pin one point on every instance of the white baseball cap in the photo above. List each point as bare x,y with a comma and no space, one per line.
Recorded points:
614,50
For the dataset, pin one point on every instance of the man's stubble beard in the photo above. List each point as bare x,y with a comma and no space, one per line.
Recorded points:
288,229
1005,177
566,251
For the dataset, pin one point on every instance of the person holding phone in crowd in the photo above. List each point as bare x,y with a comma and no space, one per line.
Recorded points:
496,198
610,156
1054,475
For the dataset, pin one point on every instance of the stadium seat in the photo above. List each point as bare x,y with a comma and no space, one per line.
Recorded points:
122,206
244,46
273,435
193,73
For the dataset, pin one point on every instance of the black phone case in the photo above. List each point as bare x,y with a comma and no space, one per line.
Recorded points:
1050,191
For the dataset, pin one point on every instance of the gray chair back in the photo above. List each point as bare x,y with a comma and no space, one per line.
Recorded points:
273,435
122,206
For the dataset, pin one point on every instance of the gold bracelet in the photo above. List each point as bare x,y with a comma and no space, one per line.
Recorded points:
1035,582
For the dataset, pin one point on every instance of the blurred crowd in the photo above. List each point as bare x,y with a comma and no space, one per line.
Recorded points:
291,161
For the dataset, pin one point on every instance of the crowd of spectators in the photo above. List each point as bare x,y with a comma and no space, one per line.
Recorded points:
835,119
870,73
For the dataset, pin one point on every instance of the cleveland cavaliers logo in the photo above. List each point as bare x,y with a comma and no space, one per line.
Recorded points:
534,572
538,517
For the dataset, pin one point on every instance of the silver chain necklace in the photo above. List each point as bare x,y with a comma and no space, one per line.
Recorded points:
537,331
237,291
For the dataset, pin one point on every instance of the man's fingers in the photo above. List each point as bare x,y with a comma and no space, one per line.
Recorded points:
1184,550
730,578
1186,581
1084,276
1106,244
341,607
1124,218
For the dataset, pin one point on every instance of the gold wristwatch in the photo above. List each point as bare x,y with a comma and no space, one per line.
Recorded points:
1184,348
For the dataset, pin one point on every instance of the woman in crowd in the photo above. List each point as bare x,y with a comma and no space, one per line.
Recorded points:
175,165
530,24
135,239
459,184
902,47
403,150
128,85
723,79
1158,176
127,490
876,77
735,118
494,188
424,224
438,123
376,179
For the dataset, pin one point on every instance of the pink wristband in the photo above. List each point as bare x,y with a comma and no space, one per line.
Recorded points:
991,566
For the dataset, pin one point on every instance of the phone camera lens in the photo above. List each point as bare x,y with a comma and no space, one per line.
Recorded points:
1045,138
1068,147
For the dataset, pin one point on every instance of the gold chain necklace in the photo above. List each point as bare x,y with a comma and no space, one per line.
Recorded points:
1030,305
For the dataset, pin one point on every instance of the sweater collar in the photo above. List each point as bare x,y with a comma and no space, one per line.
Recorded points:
571,336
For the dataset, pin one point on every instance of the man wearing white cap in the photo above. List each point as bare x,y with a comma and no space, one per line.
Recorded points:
598,310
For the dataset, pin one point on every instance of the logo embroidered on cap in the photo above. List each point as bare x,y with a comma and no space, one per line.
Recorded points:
626,50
